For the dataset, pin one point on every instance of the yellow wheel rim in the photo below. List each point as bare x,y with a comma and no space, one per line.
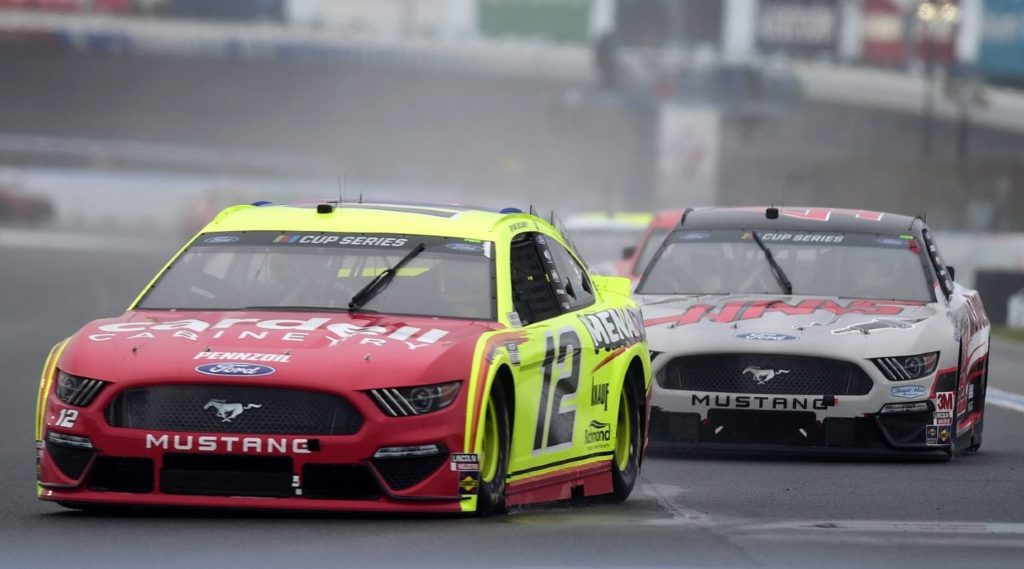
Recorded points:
623,433
490,447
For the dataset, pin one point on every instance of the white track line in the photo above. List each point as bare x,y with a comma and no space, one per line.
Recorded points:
1005,399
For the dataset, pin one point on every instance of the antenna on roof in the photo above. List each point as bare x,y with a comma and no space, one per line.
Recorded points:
532,210
341,192
360,197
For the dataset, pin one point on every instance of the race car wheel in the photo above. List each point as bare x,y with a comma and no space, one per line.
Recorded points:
979,425
626,457
494,451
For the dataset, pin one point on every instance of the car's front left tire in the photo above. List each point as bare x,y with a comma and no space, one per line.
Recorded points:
494,453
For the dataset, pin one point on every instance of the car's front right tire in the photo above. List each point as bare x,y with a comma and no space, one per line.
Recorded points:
626,455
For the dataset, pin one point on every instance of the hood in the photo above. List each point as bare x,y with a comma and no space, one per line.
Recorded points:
312,349
769,323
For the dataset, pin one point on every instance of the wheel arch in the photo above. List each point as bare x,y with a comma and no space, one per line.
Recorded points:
635,381
504,377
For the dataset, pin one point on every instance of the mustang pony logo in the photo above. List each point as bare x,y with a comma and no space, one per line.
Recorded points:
763,376
228,411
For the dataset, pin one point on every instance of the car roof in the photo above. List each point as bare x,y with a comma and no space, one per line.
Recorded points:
412,218
800,219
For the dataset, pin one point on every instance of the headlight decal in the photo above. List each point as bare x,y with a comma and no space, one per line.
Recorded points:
906,368
418,400
75,390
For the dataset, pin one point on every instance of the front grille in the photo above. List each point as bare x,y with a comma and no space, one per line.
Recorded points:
403,473
339,482
71,461
768,374
905,428
234,409
224,475
122,474
762,427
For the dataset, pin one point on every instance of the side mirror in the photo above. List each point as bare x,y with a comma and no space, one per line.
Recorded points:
628,252
621,286
952,272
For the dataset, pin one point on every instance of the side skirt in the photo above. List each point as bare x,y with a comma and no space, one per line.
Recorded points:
595,479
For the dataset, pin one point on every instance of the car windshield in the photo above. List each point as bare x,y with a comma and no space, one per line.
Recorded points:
650,247
272,270
850,265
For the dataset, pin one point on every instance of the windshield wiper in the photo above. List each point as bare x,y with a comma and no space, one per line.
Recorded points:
382,280
780,275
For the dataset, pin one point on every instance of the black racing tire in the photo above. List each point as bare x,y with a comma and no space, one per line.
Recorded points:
979,427
496,433
626,457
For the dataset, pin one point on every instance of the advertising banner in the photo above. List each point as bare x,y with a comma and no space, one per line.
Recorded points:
688,155
555,20
809,27
895,32
1002,39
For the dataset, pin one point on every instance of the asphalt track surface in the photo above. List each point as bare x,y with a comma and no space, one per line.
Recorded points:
686,512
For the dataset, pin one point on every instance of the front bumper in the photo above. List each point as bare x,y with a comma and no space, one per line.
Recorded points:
800,432
137,467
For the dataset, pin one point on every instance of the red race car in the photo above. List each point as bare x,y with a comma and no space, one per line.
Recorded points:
635,259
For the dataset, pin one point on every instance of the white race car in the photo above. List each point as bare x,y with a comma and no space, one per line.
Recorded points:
812,329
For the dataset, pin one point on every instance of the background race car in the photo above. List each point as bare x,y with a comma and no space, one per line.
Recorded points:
378,357
813,328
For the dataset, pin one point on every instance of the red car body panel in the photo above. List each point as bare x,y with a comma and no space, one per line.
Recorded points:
663,221
313,351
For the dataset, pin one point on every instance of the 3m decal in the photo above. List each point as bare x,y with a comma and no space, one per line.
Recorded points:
944,400
611,329
556,418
